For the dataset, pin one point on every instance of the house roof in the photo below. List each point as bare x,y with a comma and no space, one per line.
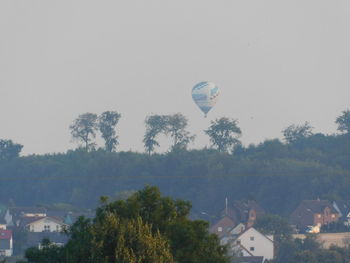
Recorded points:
303,215
5,234
225,223
249,229
239,210
27,220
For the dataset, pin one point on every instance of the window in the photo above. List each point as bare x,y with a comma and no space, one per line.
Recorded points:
319,216
47,228
252,238
333,215
251,248
238,242
220,229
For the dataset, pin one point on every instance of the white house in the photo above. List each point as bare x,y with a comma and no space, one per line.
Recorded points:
253,243
6,243
43,224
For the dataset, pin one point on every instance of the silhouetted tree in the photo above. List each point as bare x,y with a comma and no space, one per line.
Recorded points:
176,125
343,122
224,134
294,132
84,129
9,150
107,123
155,124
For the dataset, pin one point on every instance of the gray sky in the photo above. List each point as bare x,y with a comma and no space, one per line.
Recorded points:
276,62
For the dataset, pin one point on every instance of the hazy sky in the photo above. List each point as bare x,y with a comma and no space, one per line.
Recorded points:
276,62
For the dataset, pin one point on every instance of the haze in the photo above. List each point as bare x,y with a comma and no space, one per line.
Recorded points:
276,62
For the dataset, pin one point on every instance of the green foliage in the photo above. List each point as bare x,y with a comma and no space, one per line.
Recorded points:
145,228
189,240
84,129
224,133
276,226
107,123
343,122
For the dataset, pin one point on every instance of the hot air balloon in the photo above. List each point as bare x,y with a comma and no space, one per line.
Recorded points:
205,95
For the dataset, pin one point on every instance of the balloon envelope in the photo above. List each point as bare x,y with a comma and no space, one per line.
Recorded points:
205,95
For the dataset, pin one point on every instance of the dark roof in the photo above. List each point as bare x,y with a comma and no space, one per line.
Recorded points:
303,215
35,238
238,211
225,223
5,234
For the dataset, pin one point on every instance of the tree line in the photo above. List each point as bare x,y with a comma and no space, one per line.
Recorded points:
223,132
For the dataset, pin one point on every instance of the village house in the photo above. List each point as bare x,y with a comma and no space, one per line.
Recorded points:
313,213
243,211
6,241
43,224
343,208
252,243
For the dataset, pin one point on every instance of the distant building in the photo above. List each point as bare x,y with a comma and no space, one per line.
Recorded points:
6,243
222,227
43,224
244,211
252,243
311,213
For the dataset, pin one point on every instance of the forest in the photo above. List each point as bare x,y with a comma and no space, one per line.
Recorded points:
278,174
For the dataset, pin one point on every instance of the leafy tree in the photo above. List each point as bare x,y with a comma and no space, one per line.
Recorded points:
189,240
9,150
276,226
294,133
155,124
343,122
84,129
107,123
48,253
176,126
224,134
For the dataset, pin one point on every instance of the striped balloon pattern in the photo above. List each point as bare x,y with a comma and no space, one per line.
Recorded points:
205,95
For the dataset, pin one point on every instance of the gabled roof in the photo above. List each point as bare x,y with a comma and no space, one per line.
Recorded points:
5,234
303,215
239,210
256,231
225,223
30,220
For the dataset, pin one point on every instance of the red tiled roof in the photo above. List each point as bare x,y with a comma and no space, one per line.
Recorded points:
5,234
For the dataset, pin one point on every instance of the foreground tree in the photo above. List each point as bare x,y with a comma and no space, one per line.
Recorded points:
84,129
343,122
176,125
294,133
189,240
9,150
224,134
107,123
155,124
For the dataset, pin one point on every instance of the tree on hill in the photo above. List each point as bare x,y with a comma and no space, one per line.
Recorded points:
176,125
294,133
343,122
107,123
224,134
155,124
9,150
84,129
